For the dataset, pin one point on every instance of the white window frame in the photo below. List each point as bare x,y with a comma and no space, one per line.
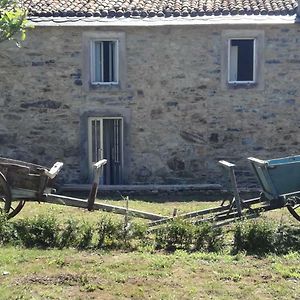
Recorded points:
258,64
230,63
93,62
88,58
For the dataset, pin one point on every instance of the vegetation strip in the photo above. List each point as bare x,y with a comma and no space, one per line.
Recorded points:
254,237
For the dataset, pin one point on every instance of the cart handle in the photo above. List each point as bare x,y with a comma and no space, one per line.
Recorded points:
257,161
94,189
226,164
54,170
236,196
100,163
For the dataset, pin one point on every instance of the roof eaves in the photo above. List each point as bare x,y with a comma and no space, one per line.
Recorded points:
157,21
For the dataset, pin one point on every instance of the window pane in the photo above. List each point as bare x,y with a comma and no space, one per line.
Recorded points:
242,60
98,62
105,61
112,63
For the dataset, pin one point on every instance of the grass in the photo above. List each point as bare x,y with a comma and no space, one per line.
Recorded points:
69,274
73,274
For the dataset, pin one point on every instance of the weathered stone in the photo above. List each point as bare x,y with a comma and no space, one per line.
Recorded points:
78,82
290,101
50,62
172,103
8,138
176,164
38,149
273,61
214,138
37,63
42,104
192,136
156,113
140,93
13,117
144,173
71,151
198,118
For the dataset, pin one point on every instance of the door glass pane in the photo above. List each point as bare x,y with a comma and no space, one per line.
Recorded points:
106,142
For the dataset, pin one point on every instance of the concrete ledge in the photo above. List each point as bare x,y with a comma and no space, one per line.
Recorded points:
147,188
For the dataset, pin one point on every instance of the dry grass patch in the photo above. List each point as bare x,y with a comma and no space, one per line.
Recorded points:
63,274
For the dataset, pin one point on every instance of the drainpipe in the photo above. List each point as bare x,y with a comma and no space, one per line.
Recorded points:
298,10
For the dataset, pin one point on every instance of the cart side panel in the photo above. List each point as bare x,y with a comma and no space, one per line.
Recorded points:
278,176
33,167
23,178
286,177
264,179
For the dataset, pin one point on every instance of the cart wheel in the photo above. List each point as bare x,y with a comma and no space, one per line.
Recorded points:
295,211
5,195
11,208
15,208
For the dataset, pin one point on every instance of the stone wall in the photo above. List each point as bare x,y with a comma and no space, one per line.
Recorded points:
181,120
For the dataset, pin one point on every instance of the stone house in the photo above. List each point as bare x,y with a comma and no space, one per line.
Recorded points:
162,89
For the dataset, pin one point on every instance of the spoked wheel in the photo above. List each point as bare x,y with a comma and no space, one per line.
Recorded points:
6,204
15,208
295,211
5,195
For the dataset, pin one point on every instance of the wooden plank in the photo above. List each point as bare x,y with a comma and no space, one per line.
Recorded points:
191,214
98,168
75,202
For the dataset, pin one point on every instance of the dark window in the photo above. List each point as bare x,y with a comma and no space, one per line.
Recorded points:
241,60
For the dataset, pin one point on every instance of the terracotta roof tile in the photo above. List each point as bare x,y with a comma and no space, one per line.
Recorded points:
160,8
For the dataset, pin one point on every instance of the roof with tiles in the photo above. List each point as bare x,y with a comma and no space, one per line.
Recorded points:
158,8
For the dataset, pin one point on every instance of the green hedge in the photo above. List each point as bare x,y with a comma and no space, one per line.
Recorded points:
253,237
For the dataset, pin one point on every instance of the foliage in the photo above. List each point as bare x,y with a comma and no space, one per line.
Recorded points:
254,237
39,231
181,234
110,233
287,239
85,236
261,237
177,234
209,238
12,20
7,231
69,233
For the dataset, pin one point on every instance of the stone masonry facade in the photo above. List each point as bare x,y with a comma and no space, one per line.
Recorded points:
180,119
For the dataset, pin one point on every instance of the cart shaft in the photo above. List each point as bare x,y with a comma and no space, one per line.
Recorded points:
76,202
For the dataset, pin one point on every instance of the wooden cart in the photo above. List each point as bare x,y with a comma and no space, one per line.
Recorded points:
280,184
279,180
21,181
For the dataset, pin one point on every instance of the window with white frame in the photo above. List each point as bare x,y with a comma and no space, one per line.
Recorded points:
104,62
241,60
